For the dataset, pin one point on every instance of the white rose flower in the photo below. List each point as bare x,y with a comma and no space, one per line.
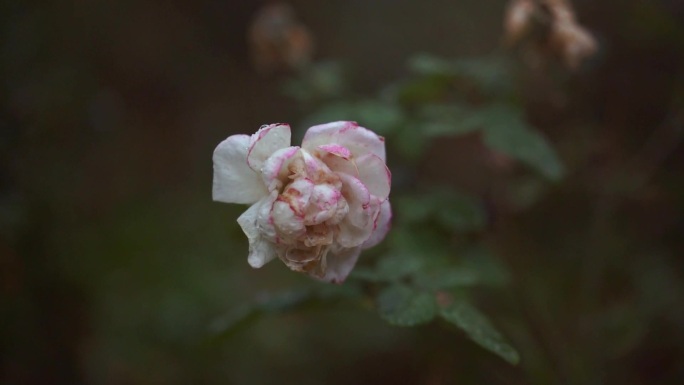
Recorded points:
316,206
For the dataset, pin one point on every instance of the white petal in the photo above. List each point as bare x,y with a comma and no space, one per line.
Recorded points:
298,193
340,164
357,139
352,236
314,167
265,142
375,175
356,231
369,169
358,198
275,170
336,149
287,221
234,180
382,226
261,251
324,204
322,134
340,264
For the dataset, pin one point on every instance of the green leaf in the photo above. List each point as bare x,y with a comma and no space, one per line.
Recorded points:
404,306
383,118
491,75
449,120
419,242
390,268
506,131
398,266
450,209
489,268
461,213
415,91
448,277
426,64
479,329
235,320
411,142
241,316
365,274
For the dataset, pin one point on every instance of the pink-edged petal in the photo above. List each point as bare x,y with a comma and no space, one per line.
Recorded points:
340,264
326,203
341,165
358,140
369,169
323,134
265,142
381,227
234,180
336,150
297,194
287,221
275,170
375,175
358,198
261,251
352,236
314,168
355,231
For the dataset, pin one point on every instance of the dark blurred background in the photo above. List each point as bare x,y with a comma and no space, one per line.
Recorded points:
114,260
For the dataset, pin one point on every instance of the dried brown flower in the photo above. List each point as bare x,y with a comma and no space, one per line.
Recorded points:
278,40
561,35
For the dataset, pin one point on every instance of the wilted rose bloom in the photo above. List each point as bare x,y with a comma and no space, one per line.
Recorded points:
518,19
573,42
316,206
564,38
278,41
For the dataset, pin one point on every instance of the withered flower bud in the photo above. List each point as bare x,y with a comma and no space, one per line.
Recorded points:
560,34
278,40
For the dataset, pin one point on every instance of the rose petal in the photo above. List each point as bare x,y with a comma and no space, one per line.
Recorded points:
337,150
358,140
355,231
369,169
375,175
265,142
287,221
323,134
340,264
358,198
341,165
297,194
314,167
382,226
324,204
261,251
275,169
350,235
234,181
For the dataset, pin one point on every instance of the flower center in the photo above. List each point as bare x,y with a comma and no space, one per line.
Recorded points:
307,212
